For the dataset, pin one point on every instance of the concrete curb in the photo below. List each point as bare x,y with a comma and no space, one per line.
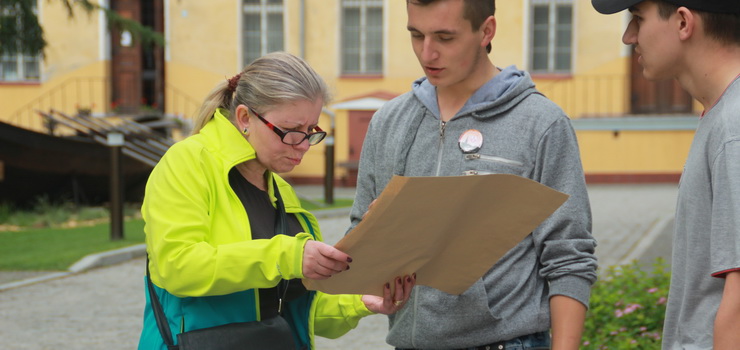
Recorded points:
34,280
124,254
86,263
108,258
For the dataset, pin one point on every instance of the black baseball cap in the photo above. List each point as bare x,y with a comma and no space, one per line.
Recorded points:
608,7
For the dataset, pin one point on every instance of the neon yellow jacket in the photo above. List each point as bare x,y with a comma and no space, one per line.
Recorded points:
203,262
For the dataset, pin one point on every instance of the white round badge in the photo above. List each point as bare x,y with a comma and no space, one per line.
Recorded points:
470,141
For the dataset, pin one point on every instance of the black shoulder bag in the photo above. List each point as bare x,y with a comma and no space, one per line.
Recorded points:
273,333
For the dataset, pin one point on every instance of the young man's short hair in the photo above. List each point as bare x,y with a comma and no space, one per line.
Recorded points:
723,27
475,11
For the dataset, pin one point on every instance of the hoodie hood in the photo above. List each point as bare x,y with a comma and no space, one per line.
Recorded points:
499,94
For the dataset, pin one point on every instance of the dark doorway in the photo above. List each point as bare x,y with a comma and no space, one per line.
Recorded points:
137,71
359,121
152,57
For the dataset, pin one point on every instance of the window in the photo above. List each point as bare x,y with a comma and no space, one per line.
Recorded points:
17,66
552,36
262,28
362,37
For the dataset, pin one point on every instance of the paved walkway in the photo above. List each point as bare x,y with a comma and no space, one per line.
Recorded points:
101,308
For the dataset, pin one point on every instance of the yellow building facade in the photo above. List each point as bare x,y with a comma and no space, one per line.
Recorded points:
363,51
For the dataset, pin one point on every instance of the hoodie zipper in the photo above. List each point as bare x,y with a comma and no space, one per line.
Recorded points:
492,159
442,125
413,327
476,172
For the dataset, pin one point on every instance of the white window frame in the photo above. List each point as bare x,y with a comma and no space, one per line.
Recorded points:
20,60
363,5
264,9
552,32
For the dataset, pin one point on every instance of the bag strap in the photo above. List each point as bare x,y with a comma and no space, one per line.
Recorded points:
164,328
281,228
281,225
281,220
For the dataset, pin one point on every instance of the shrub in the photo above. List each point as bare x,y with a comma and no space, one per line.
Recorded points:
627,308
91,213
22,219
5,211
50,213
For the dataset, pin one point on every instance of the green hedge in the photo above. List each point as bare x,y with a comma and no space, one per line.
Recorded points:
627,308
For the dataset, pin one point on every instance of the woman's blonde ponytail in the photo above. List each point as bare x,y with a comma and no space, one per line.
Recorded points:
219,97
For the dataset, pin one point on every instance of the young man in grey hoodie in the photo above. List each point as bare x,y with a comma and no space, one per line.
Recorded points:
697,42
468,117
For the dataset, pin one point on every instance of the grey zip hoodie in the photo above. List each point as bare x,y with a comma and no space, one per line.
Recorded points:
524,134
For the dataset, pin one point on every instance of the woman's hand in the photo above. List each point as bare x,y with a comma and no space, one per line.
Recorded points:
391,301
321,261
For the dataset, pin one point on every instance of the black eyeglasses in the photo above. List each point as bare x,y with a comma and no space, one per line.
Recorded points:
292,137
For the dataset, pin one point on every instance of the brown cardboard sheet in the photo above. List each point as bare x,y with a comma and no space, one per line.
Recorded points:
447,230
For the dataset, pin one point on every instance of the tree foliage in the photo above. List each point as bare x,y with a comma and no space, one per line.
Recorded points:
21,32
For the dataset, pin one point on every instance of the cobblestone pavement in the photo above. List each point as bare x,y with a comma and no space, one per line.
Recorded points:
97,309
102,308
627,219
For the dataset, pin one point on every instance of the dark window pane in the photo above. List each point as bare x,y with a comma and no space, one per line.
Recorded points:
31,67
539,61
351,40
563,38
541,16
10,67
562,61
252,41
541,38
274,32
374,39
565,14
351,63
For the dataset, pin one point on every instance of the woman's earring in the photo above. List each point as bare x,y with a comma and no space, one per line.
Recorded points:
245,131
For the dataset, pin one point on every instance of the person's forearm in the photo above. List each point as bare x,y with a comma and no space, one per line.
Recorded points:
727,322
567,317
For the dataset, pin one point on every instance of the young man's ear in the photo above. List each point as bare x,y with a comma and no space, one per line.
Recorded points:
686,23
489,30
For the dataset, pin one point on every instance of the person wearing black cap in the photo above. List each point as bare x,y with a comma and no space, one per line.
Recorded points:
697,42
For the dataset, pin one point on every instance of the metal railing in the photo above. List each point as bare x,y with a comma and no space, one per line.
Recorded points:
142,143
179,103
92,94
603,95
69,96
580,95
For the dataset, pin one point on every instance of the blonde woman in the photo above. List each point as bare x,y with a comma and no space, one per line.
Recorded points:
227,239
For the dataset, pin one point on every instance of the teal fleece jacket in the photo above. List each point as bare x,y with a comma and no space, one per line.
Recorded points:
205,267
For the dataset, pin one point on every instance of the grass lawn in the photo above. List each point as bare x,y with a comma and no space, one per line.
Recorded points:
317,205
58,248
